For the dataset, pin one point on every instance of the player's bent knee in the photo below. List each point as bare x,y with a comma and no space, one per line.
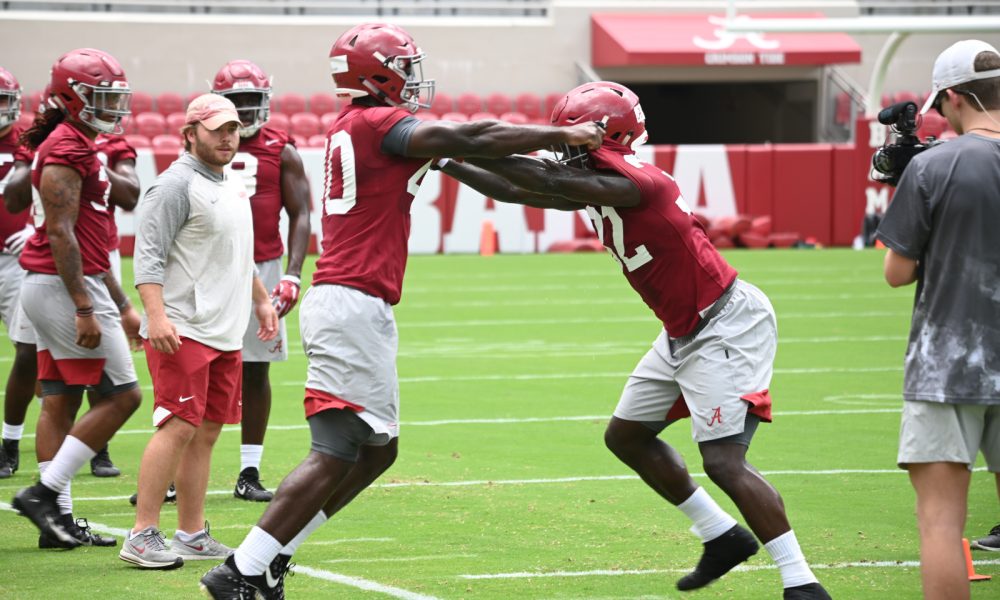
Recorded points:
339,433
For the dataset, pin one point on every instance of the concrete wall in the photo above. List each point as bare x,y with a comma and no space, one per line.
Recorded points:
172,52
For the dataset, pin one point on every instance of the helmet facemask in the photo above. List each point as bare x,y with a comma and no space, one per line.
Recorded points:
415,88
573,156
10,107
104,107
253,106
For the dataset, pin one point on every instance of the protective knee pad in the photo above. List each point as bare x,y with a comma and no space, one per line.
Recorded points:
339,433
744,437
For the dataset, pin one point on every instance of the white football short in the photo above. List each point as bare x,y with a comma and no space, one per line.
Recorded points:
115,259
53,313
274,350
11,276
351,343
721,372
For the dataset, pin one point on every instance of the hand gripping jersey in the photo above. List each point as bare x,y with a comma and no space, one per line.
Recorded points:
663,250
111,149
10,152
259,162
366,204
68,147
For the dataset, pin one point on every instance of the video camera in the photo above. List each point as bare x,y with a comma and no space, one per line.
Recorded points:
891,159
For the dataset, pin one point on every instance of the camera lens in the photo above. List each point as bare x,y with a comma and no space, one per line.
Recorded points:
882,161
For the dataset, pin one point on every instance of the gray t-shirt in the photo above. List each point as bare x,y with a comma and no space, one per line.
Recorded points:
946,214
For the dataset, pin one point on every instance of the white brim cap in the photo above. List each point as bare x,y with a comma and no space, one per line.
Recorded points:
957,65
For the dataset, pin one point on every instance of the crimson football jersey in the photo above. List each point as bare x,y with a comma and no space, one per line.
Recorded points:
111,149
664,252
259,162
69,147
366,204
11,152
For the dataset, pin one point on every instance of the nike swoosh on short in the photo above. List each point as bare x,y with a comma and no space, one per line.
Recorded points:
183,399
271,142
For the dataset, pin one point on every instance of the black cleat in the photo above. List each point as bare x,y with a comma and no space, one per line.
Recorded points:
279,568
5,470
719,557
225,582
809,591
13,452
38,503
248,487
79,529
101,465
990,543
170,497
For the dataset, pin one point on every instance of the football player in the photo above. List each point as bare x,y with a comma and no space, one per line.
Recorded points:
75,307
714,357
275,180
376,156
15,229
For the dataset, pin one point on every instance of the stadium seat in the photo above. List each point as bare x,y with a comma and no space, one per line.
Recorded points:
304,124
175,122
530,105
932,124
468,103
25,120
517,118
442,104
289,103
906,96
280,122
316,141
31,102
886,100
321,103
150,124
455,116
138,141
483,115
426,115
141,102
550,103
300,141
170,102
499,103
327,119
167,143
191,97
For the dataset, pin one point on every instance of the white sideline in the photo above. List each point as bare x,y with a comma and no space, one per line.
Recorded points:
879,564
355,582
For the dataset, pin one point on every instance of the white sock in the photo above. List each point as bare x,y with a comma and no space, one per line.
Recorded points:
708,519
310,527
250,456
187,537
256,552
72,455
785,552
65,499
12,432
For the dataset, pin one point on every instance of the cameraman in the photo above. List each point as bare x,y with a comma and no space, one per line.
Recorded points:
941,233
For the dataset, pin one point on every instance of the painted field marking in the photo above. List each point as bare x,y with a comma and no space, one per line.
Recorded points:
636,319
351,541
355,582
401,558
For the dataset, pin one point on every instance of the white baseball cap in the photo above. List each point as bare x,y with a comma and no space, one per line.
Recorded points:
956,65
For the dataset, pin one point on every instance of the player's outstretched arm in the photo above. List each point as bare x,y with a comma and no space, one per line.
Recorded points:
550,178
492,139
498,188
17,192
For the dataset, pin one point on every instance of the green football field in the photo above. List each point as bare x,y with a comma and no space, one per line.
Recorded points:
509,368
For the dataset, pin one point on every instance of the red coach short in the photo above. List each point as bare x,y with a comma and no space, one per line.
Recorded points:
196,382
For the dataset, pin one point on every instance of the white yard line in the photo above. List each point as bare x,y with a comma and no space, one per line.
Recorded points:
882,564
431,557
355,582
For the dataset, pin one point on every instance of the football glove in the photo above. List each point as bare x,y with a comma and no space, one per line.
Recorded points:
15,243
285,295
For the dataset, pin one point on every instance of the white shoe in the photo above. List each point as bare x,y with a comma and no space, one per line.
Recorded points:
202,547
148,549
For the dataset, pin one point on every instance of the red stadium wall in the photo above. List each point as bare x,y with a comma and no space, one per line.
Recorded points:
818,191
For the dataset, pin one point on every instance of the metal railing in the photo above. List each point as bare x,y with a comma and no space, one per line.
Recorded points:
928,7
380,8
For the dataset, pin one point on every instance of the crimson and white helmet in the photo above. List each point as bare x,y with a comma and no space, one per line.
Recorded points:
249,88
10,99
90,86
611,104
381,61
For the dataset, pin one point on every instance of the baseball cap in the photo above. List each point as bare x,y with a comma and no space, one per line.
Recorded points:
956,65
212,111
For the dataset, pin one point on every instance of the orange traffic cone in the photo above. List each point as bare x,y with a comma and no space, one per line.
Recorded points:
969,567
488,239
